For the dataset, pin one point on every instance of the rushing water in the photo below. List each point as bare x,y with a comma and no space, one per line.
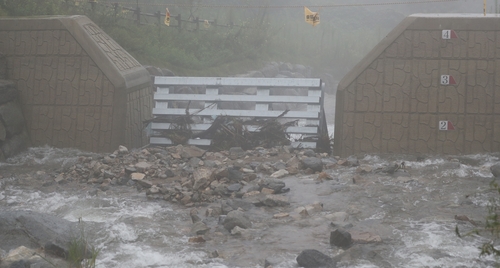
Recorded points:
413,213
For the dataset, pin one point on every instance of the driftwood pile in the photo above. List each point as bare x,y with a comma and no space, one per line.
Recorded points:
227,132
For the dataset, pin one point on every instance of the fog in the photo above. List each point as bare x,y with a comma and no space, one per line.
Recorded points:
348,30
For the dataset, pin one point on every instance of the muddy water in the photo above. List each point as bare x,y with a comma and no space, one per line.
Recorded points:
412,211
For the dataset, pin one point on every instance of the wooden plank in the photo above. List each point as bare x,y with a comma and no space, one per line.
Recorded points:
207,142
314,107
167,141
210,91
162,91
236,113
299,144
252,128
239,98
263,93
238,81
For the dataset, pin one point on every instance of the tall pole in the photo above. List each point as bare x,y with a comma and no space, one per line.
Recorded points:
484,7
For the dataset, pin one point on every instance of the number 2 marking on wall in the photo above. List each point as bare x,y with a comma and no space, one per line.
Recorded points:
443,125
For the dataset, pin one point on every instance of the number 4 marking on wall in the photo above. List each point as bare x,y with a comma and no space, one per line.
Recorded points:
448,34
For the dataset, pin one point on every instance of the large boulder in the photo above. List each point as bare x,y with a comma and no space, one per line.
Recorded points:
495,170
311,258
35,230
340,238
312,163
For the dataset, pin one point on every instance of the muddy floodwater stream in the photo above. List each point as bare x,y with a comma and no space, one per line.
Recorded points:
403,219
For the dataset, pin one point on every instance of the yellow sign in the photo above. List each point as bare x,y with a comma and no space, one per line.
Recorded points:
167,18
311,17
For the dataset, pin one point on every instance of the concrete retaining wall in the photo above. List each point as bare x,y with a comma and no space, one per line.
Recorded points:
393,100
78,87
13,134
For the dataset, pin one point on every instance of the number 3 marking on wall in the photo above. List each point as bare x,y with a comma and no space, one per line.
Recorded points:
445,79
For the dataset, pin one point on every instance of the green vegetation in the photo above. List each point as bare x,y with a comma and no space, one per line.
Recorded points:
80,253
491,227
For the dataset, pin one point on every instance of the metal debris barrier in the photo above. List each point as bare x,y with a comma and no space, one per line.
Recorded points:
224,112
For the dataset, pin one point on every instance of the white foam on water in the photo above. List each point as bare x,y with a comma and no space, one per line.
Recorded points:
358,264
134,255
426,163
46,155
123,232
433,244
377,216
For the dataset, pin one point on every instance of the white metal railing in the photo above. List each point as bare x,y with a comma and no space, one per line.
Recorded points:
210,104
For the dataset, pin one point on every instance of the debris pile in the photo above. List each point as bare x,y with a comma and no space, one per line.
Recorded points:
190,176
227,132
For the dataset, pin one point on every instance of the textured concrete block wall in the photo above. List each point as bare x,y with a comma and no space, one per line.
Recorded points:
76,84
139,109
393,100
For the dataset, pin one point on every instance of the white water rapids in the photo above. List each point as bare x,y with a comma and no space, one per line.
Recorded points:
413,214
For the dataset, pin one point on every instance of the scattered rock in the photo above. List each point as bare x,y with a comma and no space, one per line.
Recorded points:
142,166
234,174
275,201
236,218
197,239
312,163
239,204
311,258
365,237
235,187
237,230
281,215
59,178
199,228
315,207
191,151
137,176
338,217
122,149
352,161
280,173
275,185
267,191
323,176
363,169
340,238
302,211
193,213
202,177
236,152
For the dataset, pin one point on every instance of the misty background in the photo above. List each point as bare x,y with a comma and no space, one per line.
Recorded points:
344,36
238,37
